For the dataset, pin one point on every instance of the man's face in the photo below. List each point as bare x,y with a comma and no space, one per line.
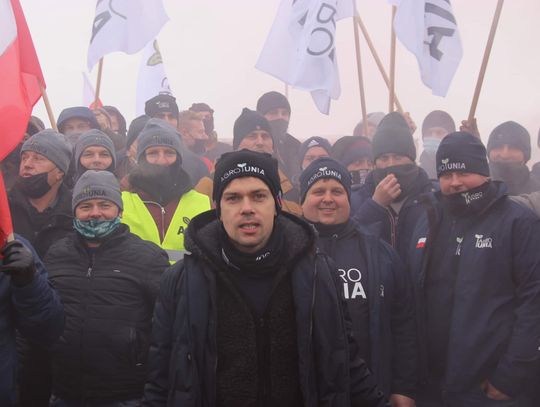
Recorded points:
33,163
205,115
312,154
363,163
327,203
247,212
195,131
507,154
454,182
169,117
96,158
258,140
75,125
98,209
278,113
436,132
160,155
391,160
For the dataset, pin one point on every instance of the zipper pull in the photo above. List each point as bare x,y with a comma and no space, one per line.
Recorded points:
89,272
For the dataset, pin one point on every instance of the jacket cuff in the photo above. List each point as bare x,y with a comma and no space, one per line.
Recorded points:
504,382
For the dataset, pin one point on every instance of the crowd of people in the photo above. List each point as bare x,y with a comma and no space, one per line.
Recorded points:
154,265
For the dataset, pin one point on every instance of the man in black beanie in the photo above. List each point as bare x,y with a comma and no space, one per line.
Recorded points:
214,147
276,109
475,262
164,107
245,317
389,194
509,150
436,126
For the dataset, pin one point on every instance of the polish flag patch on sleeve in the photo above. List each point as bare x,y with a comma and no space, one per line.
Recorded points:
421,243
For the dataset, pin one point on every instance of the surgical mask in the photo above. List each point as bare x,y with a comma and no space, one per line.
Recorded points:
34,186
358,177
94,228
279,128
431,144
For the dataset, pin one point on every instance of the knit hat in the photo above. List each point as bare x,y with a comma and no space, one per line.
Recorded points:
97,185
272,100
461,152
79,112
51,145
513,134
160,104
324,168
135,128
94,138
314,142
349,149
35,125
247,122
438,118
157,132
373,118
246,163
393,136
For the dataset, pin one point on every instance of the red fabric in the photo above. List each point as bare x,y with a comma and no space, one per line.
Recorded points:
20,75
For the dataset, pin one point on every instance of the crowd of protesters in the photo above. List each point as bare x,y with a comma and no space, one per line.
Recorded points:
154,265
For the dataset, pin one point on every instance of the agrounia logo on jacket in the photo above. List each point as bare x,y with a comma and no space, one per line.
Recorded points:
470,198
324,172
242,168
446,165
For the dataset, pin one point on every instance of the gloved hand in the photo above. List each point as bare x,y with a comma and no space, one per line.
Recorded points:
18,262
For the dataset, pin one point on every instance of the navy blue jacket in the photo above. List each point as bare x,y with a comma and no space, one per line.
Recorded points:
495,324
35,311
392,325
394,229
182,361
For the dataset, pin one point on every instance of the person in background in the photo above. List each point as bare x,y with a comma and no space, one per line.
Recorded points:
312,149
164,107
127,158
356,154
105,124
373,120
74,121
214,147
436,126
118,122
192,133
94,151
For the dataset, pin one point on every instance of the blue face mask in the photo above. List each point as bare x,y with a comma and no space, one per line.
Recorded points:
94,228
431,144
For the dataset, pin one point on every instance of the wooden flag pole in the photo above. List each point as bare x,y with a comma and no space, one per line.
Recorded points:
485,60
360,79
377,60
48,106
98,83
391,95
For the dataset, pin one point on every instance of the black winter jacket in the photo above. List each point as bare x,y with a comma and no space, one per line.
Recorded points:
183,352
392,325
45,228
495,319
109,300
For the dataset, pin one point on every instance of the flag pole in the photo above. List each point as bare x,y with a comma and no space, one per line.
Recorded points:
485,60
48,106
360,76
98,83
377,60
391,95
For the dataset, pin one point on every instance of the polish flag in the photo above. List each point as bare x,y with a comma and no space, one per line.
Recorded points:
20,75
421,243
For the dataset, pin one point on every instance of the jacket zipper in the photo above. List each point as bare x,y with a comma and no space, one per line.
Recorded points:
162,218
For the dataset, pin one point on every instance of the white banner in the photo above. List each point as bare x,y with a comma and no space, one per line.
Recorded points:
429,30
152,77
125,26
300,49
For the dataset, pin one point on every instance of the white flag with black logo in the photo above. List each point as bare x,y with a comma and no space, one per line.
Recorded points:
429,30
125,26
152,77
301,47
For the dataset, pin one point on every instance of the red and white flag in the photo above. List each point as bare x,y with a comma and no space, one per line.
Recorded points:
20,75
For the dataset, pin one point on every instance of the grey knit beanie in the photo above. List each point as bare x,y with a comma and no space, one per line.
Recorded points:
94,138
51,145
157,132
97,185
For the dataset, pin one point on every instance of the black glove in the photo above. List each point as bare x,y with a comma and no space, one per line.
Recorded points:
18,262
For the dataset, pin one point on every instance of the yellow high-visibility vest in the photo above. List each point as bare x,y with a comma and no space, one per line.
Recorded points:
141,223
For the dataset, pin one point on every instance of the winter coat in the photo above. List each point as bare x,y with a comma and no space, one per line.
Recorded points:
45,228
395,229
495,323
109,299
35,311
392,326
183,352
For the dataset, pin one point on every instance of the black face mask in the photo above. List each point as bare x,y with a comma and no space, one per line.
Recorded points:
470,202
199,147
34,186
406,175
513,174
279,128
358,177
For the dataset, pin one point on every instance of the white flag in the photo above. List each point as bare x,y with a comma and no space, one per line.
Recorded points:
301,47
429,30
125,26
152,77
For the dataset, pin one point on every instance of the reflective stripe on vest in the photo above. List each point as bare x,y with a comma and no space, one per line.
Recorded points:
141,223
